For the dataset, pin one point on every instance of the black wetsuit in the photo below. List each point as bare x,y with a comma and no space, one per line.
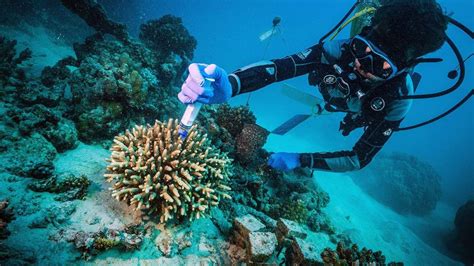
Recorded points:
316,59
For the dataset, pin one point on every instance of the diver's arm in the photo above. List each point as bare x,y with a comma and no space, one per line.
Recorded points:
263,73
373,139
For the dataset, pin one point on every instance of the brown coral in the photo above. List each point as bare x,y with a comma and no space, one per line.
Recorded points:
249,142
234,118
352,255
156,171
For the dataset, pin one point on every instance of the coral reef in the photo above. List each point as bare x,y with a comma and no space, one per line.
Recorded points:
402,182
349,256
156,171
71,186
249,144
234,130
94,15
295,211
59,131
10,73
233,119
30,157
114,87
167,35
6,215
461,241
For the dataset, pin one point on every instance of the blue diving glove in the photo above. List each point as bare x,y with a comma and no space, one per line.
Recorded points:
193,90
284,161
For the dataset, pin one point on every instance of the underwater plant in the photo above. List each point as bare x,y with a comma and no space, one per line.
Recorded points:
153,169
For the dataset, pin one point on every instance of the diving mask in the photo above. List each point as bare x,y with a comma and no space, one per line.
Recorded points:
372,59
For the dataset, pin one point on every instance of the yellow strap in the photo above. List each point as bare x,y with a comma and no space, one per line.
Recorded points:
364,11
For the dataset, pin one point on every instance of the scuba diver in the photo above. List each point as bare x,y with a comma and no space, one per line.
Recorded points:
369,77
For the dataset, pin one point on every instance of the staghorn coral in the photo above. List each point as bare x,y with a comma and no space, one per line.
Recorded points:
156,171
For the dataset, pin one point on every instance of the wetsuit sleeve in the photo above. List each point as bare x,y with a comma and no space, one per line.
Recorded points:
373,139
263,73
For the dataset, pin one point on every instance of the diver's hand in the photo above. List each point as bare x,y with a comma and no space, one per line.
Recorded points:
284,161
193,91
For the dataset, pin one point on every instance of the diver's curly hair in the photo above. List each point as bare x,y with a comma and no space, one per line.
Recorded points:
406,29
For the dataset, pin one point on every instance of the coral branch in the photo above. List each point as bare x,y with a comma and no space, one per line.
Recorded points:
174,179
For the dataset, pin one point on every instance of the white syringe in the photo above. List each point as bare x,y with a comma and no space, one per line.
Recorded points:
191,112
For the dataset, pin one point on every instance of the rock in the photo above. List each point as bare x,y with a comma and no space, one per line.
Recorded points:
247,224
218,218
165,243
204,247
55,215
261,246
304,253
289,229
461,240
184,240
30,157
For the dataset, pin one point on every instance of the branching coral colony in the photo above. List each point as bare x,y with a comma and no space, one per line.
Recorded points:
156,171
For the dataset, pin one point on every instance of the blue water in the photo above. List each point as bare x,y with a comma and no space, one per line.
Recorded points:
227,34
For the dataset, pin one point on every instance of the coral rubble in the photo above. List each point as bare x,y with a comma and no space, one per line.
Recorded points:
128,238
155,170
